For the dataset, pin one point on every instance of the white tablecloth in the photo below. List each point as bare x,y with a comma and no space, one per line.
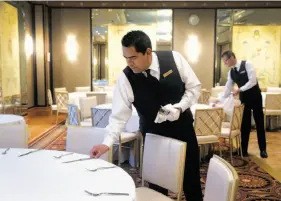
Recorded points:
13,131
39,176
102,113
11,119
73,98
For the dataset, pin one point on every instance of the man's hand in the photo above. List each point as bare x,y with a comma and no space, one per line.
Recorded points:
98,150
236,92
174,113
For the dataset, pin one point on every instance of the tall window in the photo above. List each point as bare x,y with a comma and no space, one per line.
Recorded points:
108,28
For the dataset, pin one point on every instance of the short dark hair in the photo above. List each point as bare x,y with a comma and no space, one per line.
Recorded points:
228,54
137,39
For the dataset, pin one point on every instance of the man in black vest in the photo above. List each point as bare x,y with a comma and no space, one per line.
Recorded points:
152,80
243,74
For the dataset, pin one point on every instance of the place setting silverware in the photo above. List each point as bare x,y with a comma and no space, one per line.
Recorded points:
5,152
106,193
101,168
30,152
77,160
63,155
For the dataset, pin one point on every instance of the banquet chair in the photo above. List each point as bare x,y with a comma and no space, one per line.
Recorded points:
204,96
124,137
74,118
82,139
222,181
62,101
234,131
272,106
207,126
13,135
50,102
165,169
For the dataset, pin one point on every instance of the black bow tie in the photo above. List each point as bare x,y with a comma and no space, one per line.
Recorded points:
235,70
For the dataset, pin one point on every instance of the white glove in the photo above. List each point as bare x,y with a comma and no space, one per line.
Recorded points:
174,113
161,117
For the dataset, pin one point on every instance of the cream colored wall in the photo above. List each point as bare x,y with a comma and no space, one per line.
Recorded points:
261,45
9,50
66,73
205,31
116,61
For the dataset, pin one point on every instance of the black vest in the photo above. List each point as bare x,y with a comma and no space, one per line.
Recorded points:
241,78
150,94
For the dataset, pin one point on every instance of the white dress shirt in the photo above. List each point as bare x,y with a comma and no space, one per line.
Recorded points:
123,96
230,83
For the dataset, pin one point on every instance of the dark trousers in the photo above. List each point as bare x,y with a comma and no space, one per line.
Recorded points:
191,183
256,106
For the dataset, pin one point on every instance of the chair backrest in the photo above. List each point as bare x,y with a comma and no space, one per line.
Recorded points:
82,139
50,98
13,136
73,115
237,116
208,121
273,101
101,96
82,89
204,96
60,89
222,181
100,117
61,100
86,103
164,168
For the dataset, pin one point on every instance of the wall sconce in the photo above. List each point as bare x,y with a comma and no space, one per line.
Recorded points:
192,47
28,45
71,47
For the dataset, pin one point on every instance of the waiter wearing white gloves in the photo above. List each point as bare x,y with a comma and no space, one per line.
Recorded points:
155,81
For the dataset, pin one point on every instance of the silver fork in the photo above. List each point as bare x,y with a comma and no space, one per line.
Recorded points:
5,152
100,168
106,193
58,157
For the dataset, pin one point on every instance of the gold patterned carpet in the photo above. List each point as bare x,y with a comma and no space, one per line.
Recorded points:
255,183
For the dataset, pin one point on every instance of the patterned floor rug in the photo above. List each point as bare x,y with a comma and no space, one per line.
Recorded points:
255,183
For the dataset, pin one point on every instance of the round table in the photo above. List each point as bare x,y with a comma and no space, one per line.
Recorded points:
11,119
40,176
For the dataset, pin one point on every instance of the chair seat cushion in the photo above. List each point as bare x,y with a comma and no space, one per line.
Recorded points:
86,123
226,131
54,107
145,194
88,120
126,136
207,139
272,112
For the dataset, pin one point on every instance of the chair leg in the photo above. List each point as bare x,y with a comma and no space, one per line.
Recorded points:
220,149
230,149
239,138
141,155
135,152
237,145
119,154
57,117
